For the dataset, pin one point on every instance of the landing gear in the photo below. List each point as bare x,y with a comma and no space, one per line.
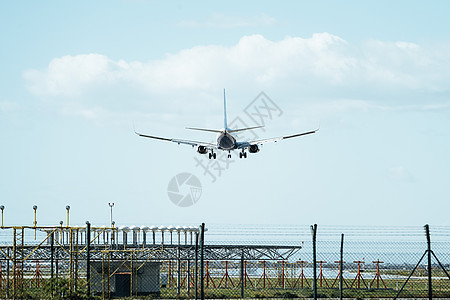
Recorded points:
229,154
212,155
242,154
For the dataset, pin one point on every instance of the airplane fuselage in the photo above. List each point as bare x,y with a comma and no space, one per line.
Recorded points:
226,141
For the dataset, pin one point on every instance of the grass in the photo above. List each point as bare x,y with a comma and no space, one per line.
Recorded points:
271,288
414,289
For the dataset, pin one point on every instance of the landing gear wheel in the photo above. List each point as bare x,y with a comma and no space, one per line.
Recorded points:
214,155
229,155
240,154
210,155
245,154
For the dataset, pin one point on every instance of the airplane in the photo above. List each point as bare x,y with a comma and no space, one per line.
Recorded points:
226,139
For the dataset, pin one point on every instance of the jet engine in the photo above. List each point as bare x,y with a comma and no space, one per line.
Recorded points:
202,150
253,149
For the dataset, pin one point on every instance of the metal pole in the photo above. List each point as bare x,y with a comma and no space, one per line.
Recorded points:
131,269
52,259
14,282
111,205
178,271
88,258
341,268
113,235
242,274
35,211
7,274
202,245
76,260
71,251
68,209
314,231
188,277
2,207
56,265
196,265
430,288
35,220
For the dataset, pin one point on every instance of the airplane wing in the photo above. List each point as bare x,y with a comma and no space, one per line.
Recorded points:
276,139
178,141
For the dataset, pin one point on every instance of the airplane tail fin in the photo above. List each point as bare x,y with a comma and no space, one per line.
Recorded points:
225,125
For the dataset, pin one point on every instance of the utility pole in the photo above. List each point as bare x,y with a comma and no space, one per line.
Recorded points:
35,220
68,210
2,208
111,205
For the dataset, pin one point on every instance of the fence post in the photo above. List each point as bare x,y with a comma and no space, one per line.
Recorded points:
52,252
202,245
7,274
430,288
341,268
88,259
178,270
188,278
314,231
242,274
196,265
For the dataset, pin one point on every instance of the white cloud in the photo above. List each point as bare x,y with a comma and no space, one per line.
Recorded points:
253,60
227,21
406,45
8,106
323,65
401,173
406,65
72,75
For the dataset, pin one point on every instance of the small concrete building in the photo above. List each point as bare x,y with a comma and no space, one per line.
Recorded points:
124,279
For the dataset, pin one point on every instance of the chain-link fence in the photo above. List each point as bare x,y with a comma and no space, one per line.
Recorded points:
225,261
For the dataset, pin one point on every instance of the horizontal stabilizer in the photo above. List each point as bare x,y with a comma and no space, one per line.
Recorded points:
242,129
203,129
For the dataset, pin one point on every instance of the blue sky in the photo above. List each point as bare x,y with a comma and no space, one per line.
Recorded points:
374,74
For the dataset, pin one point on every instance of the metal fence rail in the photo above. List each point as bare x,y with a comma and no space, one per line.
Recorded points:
228,262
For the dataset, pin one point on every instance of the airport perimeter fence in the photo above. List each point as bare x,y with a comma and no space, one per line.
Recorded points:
224,261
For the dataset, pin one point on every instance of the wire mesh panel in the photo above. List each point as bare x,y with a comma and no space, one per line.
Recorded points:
253,261
378,262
